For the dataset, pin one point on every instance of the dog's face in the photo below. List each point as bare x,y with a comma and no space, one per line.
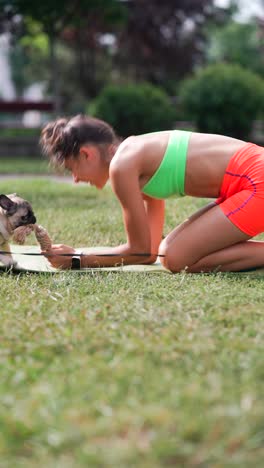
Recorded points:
15,211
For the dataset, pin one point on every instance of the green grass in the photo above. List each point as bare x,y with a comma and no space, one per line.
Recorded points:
126,369
10,132
32,165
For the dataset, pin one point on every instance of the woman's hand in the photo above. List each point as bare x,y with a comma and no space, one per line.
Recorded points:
55,257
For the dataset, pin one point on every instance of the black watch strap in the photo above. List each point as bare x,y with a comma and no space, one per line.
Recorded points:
76,262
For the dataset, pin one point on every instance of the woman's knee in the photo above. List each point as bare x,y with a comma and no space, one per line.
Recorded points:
163,251
170,259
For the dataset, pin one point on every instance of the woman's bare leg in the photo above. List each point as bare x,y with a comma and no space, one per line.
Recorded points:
171,236
242,256
210,242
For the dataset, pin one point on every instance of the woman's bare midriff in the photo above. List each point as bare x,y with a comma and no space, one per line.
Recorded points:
207,158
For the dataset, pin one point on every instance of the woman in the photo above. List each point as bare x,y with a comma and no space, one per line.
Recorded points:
146,169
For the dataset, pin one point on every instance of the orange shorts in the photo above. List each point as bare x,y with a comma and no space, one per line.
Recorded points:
242,191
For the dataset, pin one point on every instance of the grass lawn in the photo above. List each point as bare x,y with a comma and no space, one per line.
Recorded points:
127,369
24,166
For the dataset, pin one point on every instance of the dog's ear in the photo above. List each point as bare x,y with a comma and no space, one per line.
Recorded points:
7,204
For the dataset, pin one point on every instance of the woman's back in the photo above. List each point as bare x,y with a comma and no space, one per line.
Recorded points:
207,158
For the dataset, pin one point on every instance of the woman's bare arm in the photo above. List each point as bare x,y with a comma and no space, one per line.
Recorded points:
155,210
143,222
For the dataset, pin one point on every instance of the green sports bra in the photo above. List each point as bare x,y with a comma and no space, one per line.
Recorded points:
169,178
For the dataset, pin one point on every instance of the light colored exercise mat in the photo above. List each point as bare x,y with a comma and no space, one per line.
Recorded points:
38,263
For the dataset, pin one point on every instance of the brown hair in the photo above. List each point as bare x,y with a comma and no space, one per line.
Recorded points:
63,138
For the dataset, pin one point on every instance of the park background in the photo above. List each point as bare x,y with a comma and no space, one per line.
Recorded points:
140,65
127,369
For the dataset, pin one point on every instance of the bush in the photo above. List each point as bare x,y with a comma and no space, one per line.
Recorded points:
223,99
134,109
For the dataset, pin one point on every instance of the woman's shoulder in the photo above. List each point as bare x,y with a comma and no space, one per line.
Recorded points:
135,143
135,150
127,151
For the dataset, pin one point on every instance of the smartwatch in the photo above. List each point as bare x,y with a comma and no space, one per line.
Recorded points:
76,262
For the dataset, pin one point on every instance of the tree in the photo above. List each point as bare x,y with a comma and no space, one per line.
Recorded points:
240,43
134,108
153,41
29,58
54,18
164,40
224,98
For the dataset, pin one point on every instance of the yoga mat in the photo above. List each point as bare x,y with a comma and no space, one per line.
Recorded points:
39,264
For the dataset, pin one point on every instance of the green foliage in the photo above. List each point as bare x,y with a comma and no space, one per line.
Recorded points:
153,33
134,109
29,57
35,37
28,66
54,16
240,43
43,28
223,99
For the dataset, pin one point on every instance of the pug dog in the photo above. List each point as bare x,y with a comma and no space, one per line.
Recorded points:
14,212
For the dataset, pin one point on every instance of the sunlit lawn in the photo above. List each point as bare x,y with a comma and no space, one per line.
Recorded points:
127,369
34,165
